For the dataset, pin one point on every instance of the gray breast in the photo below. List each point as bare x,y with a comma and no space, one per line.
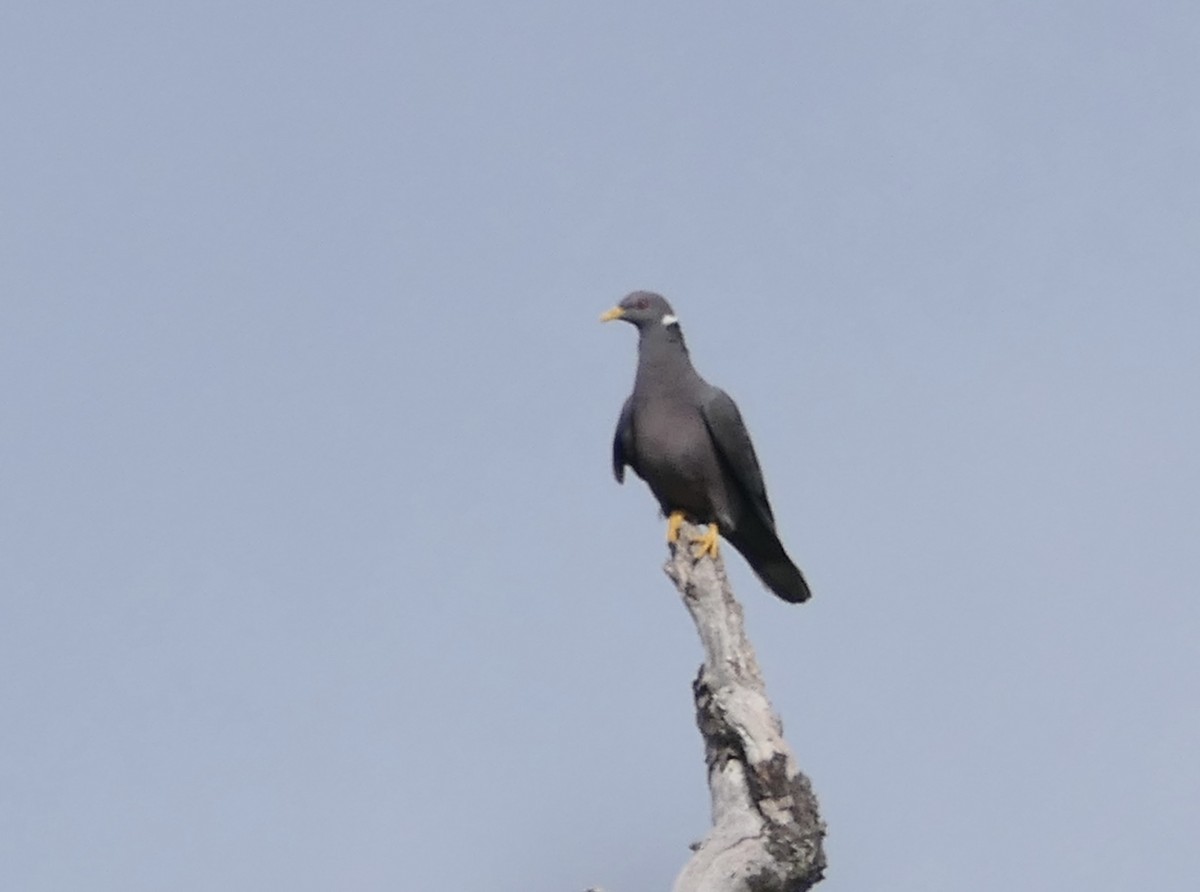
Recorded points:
677,459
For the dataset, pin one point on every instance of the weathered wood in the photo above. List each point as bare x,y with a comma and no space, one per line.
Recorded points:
767,833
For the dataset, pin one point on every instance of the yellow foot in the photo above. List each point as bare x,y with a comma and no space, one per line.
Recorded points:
708,542
674,522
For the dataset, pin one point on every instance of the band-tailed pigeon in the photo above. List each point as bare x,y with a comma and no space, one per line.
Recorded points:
686,439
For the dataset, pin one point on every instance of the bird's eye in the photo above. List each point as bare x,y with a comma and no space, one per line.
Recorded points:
641,303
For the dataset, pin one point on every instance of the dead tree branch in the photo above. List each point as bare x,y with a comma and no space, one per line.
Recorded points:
767,832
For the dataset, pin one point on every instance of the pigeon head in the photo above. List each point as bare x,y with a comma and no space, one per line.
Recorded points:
643,309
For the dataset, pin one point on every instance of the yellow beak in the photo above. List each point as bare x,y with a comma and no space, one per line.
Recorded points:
614,313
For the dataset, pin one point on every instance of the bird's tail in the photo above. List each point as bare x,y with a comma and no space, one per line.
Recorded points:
766,556
784,579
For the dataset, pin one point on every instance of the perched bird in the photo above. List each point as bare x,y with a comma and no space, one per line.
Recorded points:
686,439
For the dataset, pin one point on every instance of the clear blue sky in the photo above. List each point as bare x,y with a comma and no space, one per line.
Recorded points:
313,575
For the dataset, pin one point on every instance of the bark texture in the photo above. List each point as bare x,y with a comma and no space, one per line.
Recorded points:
767,833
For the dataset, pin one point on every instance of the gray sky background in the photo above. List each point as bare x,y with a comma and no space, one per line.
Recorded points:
313,573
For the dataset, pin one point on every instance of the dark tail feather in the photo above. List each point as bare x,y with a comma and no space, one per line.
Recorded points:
784,579
764,553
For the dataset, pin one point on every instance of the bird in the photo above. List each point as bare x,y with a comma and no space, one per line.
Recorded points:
686,439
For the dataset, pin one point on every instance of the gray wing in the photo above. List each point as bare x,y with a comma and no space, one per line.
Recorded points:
729,435
622,452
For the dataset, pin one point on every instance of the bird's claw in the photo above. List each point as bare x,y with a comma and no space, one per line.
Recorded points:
674,522
708,543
